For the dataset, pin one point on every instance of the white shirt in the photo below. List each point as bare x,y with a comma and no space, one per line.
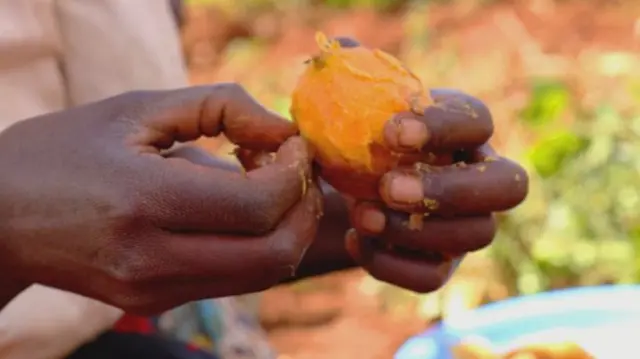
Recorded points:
60,53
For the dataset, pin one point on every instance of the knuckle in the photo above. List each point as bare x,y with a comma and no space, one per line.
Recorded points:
127,268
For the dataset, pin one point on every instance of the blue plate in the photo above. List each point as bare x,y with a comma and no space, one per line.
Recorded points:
597,318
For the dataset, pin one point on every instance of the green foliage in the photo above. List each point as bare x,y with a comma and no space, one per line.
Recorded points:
550,153
581,222
549,99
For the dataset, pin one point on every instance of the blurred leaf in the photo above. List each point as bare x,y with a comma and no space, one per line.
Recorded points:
549,100
551,152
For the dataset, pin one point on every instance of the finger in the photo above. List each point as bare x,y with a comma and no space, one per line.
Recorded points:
442,235
492,185
406,271
455,121
251,160
184,197
368,218
200,157
187,114
211,257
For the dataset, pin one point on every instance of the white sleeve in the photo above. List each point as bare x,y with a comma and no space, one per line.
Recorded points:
46,323
107,47
115,46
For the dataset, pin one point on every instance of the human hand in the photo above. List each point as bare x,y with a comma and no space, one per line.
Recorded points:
454,203
91,204
327,253
452,191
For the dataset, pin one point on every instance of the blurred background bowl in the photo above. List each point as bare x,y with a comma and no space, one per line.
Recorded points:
600,319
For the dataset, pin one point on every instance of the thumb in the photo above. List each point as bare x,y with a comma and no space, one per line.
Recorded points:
189,113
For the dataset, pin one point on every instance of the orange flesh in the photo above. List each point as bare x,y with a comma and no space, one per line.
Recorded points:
343,100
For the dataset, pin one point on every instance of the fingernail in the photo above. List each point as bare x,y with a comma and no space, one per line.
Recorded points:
372,220
406,133
405,189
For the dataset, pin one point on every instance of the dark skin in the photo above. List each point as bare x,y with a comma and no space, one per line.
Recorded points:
327,253
458,201
94,202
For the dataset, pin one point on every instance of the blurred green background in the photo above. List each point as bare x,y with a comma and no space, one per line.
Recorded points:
562,79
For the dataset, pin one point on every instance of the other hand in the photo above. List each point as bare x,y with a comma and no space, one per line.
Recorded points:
454,203
91,204
453,194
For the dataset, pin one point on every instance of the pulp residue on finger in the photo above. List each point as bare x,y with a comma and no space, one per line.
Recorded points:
456,105
416,222
430,205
